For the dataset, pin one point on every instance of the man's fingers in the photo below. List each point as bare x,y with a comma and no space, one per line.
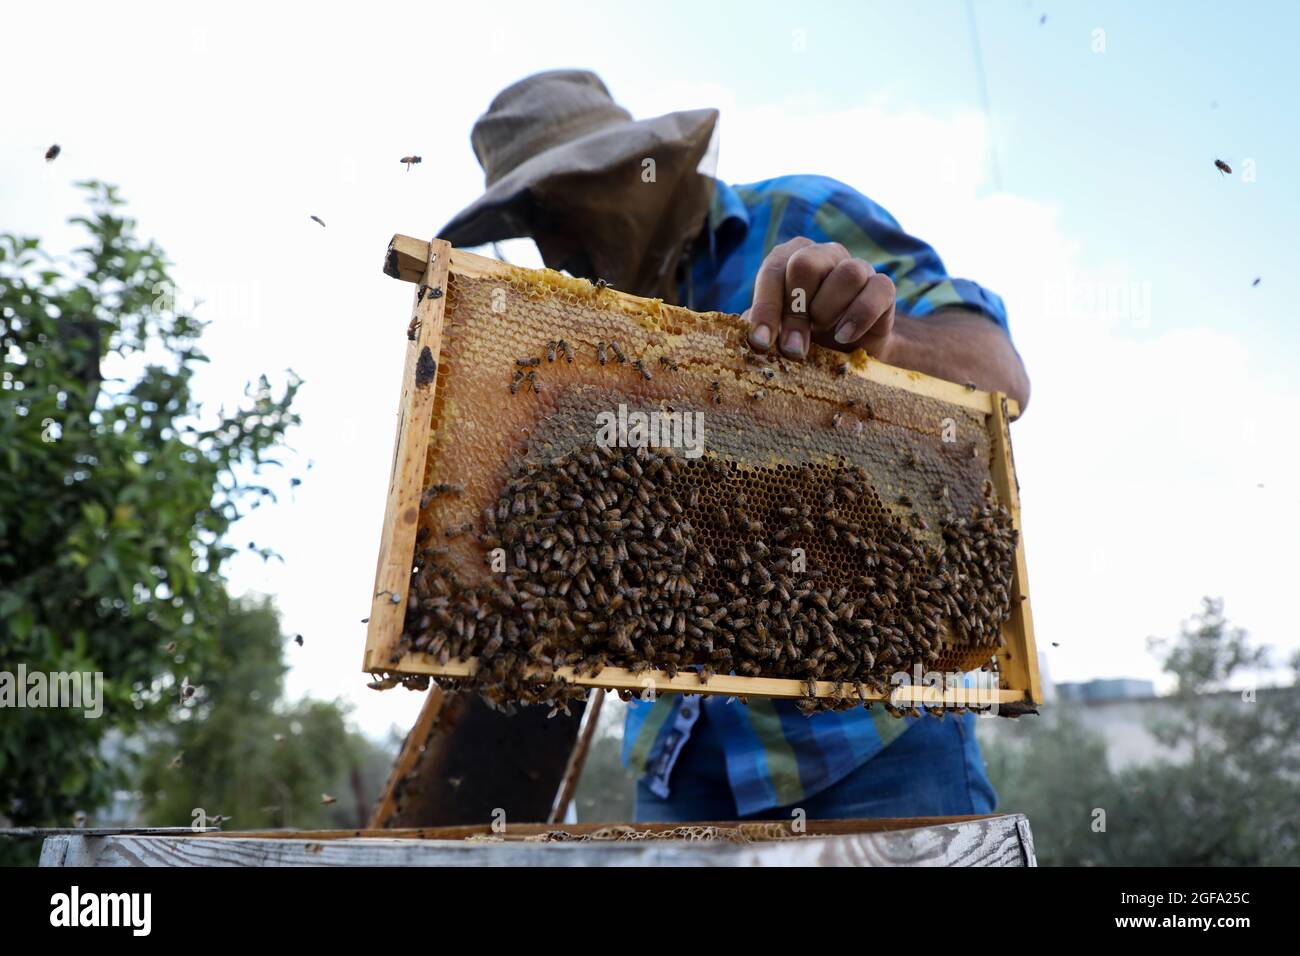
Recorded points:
795,334
804,273
869,318
846,280
769,294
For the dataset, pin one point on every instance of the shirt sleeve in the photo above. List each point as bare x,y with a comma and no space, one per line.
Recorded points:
869,232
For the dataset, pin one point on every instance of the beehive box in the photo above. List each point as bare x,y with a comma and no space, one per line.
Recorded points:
591,489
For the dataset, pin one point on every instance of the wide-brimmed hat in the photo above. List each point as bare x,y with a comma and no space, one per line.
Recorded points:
562,122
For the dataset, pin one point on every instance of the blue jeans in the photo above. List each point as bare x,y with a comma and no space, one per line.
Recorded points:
934,769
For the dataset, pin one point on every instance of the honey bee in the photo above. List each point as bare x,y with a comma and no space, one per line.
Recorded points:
319,221
1222,167
600,284
297,639
668,363
550,351
326,799
410,161
640,367
532,379
601,355
567,349
836,419
618,353
52,153
176,762
529,362
514,382
842,369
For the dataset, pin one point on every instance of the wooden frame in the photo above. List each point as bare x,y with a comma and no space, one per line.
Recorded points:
427,264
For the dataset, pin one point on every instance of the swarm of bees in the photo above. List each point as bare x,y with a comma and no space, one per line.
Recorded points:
642,559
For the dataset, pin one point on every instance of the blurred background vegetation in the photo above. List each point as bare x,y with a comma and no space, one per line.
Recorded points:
118,494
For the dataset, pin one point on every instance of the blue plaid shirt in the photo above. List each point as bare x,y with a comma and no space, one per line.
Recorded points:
775,755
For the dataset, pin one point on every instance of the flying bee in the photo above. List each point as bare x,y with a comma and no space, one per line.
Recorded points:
52,153
410,161
326,799
319,221
176,762
1222,167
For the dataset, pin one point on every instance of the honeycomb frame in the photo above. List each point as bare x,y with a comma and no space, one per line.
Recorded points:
652,334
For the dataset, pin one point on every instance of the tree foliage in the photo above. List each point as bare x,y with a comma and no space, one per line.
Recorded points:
116,494
1227,796
240,752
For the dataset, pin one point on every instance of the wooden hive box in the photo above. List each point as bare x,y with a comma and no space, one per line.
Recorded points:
818,529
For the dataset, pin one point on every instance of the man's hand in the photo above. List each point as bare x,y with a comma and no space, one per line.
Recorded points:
816,292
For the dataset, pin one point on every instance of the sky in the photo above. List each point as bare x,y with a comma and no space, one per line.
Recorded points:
1158,452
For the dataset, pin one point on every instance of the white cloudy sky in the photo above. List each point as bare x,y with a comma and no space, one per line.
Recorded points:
1158,455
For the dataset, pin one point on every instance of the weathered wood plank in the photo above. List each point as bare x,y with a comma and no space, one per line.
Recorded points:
987,841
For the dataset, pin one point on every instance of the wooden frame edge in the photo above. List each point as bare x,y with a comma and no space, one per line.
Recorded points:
405,483
1020,668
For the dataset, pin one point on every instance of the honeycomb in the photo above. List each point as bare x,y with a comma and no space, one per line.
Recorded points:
791,520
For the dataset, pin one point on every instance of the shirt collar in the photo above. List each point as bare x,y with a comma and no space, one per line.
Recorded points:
728,220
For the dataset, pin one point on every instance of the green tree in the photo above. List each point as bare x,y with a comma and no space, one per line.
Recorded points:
240,752
116,494
1226,793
